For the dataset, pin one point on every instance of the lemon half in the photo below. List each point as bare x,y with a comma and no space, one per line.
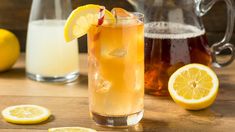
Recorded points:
193,86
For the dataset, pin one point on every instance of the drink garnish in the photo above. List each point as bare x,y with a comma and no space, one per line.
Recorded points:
101,15
82,18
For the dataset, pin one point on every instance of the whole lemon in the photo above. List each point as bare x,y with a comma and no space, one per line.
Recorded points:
9,50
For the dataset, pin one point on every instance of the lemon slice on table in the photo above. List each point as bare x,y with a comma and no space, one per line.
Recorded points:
71,129
193,86
25,114
82,18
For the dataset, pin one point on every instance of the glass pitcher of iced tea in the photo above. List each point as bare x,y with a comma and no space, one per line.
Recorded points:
175,36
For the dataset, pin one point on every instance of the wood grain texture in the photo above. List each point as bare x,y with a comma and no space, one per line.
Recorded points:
32,88
14,15
69,105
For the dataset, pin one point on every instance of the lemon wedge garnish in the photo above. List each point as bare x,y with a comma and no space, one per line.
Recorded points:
82,18
71,129
193,86
25,114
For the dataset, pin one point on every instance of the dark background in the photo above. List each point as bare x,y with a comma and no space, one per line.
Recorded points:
14,15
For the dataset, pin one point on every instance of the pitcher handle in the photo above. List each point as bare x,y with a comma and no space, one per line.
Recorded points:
203,6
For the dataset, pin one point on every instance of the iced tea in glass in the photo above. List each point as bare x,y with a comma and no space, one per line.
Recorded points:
116,71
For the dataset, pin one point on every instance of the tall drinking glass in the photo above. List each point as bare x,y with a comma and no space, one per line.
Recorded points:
48,57
116,72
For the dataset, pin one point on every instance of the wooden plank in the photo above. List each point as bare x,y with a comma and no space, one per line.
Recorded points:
21,35
21,130
14,15
27,130
26,87
215,37
109,4
23,86
216,18
69,105
160,115
67,112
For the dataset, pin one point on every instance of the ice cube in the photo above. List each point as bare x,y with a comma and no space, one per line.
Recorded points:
127,21
93,63
118,52
119,12
124,17
138,81
102,85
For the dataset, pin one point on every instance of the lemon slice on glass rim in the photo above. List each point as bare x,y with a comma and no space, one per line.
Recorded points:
193,86
25,114
71,129
82,18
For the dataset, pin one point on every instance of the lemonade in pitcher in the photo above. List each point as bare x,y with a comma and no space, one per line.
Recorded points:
48,54
49,58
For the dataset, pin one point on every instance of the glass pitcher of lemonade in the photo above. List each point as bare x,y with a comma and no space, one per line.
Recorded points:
48,57
175,36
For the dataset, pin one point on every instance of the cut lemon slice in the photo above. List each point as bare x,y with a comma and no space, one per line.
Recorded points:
193,86
81,19
25,114
71,129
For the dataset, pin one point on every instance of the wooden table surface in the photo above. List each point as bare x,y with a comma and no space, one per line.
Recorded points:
69,105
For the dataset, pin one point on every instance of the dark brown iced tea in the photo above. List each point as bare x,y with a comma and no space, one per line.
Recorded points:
169,46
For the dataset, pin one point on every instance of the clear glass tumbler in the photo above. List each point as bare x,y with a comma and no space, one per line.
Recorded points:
48,57
116,72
